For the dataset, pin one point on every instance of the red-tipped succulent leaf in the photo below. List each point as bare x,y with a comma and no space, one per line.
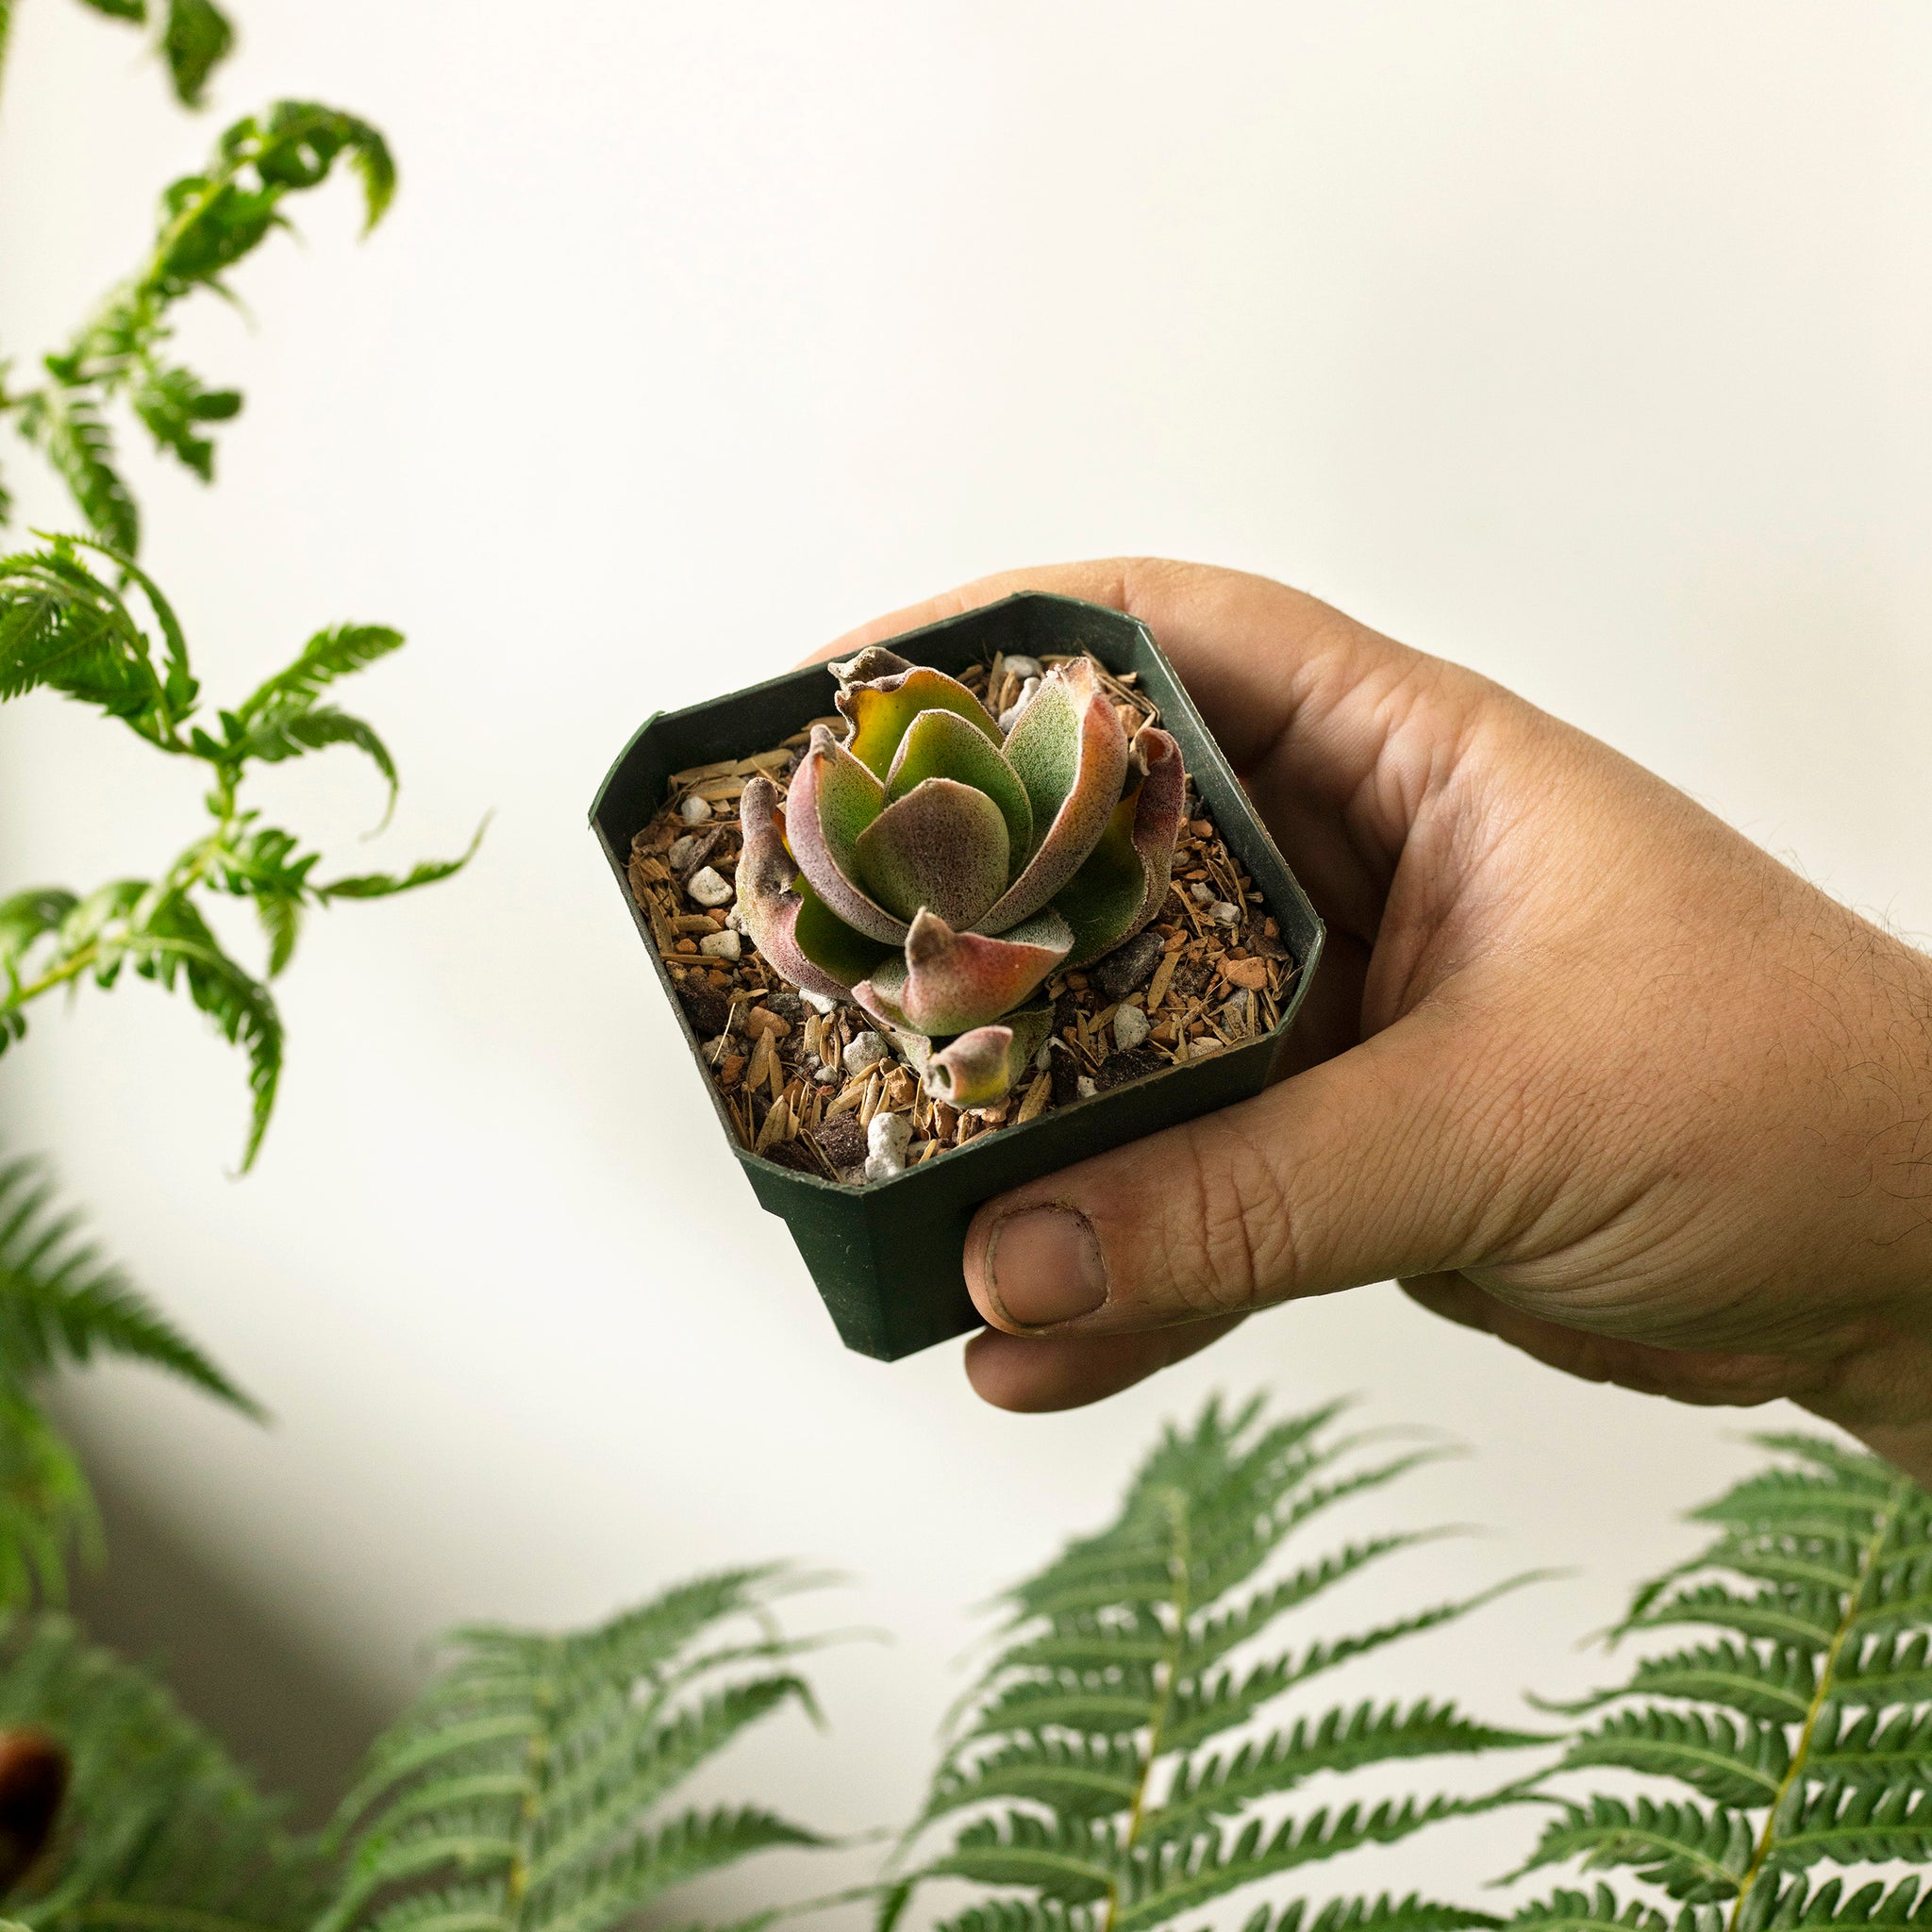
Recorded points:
936,873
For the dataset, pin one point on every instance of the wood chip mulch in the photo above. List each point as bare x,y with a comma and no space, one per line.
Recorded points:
1211,971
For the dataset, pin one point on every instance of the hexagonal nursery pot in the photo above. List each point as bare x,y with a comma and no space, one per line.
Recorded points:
887,1256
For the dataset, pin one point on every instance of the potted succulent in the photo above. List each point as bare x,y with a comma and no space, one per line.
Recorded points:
947,916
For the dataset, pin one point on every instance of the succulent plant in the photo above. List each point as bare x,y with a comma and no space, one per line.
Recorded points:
935,870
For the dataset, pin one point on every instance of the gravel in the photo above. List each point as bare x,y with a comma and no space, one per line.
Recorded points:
709,888
1128,966
886,1142
727,945
1129,1027
868,1050
692,809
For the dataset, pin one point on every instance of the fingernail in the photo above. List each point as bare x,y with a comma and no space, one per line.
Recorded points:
1043,1266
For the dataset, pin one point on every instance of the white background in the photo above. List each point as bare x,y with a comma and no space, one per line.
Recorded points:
1586,343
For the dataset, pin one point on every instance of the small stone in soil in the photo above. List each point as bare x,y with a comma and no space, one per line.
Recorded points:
816,1001
722,945
886,1142
1129,1026
868,1050
1202,892
710,1011
762,1019
1128,966
1122,1067
1224,914
708,886
1085,1088
692,809
1252,974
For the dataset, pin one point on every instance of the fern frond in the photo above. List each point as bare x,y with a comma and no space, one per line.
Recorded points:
60,1304
1599,1910
1697,1856
65,424
337,652
1073,1775
1805,1726
524,1782
1797,1906
160,1829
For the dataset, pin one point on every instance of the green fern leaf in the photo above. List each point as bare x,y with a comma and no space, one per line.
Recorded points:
196,39
1696,1856
1872,1904
380,884
161,1829
175,405
1871,1750
65,425
524,1782
1894,1668
1850,1825
1384,1914
1073,1757
1731,1761
337,652
60,1304
277,735
1600,1910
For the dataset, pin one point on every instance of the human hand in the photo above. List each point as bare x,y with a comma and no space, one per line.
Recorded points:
1582,1066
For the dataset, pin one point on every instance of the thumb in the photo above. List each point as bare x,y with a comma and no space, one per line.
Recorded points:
1367,1167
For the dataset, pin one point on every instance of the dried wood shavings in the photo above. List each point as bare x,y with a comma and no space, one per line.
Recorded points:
780,1066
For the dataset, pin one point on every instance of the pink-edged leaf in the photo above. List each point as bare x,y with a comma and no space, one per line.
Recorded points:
941,848
941,745
1072,755
981,1068
798,934
1123,884
950,982
833,800
882,711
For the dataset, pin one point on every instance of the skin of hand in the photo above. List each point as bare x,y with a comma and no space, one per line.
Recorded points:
1582,1067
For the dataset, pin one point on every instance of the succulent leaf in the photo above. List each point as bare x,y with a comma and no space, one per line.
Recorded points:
1071,755
788,922
1124,879
834,799
940,849
941,745
950,982
980,1068
882,711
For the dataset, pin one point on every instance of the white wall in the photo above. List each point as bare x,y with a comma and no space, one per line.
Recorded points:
1586,344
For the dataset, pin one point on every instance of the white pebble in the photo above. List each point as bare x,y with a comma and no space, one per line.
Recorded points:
825,1075
1202,892
868,1050
1025,666
816,1001
681,850
727,945
692,809
1223,913
1130,1027
709,886
886,1142
1084,1086
1010,715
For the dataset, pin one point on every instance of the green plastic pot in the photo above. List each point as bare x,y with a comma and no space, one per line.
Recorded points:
888,1257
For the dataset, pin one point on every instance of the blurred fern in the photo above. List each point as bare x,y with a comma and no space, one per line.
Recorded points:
525,1790
1095,1765
1797,1737
62,1305
159,1828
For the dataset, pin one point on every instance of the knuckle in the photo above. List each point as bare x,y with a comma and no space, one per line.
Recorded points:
1228,1240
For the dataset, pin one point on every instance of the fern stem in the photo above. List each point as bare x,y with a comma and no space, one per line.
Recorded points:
1855,1597
70,968
1179,1569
